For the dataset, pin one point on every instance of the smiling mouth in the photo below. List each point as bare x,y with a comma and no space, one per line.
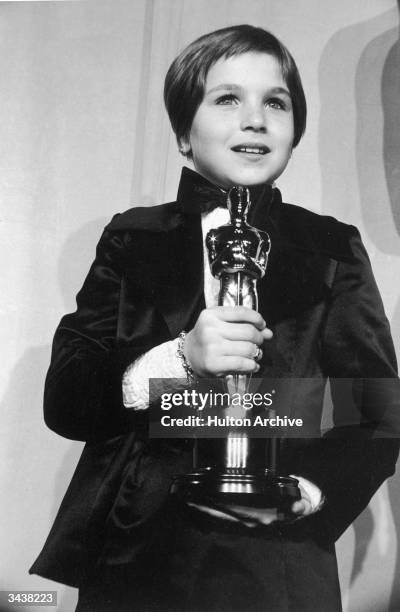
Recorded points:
255,150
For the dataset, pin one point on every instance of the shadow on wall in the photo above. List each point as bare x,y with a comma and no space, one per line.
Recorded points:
391,128
391,142
373,61
383,225
373,58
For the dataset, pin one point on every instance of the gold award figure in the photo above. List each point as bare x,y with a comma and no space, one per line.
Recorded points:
238,254
244,470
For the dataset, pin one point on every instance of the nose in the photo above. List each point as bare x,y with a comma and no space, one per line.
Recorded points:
253,118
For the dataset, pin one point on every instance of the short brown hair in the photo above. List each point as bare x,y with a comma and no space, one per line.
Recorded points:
186,77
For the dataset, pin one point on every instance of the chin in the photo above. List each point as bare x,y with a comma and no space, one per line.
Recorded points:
255,182
252,179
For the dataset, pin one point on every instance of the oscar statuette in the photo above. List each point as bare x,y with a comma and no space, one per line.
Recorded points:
238,469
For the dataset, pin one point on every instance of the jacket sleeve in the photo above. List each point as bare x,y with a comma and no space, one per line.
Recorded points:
352,461
83,394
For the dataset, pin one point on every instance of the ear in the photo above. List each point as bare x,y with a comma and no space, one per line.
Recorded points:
184,146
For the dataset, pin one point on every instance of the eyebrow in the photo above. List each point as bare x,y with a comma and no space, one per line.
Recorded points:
233,87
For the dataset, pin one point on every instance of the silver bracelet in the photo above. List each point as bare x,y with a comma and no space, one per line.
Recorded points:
191,377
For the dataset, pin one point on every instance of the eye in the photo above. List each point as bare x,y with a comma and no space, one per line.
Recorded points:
277,103
226,99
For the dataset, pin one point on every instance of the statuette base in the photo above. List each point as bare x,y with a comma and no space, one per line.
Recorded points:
260,490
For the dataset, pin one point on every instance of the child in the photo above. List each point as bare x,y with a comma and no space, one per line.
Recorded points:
148,309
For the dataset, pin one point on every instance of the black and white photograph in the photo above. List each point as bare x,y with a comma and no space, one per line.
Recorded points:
200,319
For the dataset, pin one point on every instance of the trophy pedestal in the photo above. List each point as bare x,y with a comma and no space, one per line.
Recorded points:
238,471
238,487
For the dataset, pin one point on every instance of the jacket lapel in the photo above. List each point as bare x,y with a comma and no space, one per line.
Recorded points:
180,297
165,276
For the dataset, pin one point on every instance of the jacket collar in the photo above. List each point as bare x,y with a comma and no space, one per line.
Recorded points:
196,194
289,226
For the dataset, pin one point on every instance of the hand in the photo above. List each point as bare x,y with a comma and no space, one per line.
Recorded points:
254,517
225,341
304,507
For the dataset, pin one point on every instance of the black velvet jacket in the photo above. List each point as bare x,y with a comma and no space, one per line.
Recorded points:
144,287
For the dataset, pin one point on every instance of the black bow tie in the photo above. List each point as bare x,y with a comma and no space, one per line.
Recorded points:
209,197
198,195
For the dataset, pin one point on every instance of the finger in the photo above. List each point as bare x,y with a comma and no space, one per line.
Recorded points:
263,516
240,314
237,365
301,508
247,516
239,348
213,512
225,516
241,331
267,333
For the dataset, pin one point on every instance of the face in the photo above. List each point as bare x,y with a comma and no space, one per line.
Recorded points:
243,130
